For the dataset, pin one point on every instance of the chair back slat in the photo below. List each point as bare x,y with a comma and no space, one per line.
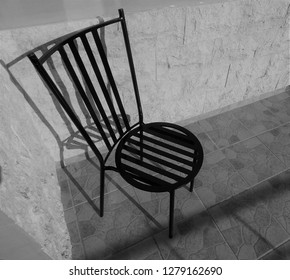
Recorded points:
87,69
92,90
110,76
103,87
48,80
80,89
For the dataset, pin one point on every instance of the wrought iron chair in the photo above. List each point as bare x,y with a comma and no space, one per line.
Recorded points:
154,157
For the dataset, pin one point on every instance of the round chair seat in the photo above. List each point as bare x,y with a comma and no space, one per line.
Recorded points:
159,157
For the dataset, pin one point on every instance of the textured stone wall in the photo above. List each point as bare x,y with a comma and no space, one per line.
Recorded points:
198,59
189,60
29,191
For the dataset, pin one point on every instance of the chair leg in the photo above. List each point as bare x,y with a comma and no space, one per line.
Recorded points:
191,185
102,191
171,213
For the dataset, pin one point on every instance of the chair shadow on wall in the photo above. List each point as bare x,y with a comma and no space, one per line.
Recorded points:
75,139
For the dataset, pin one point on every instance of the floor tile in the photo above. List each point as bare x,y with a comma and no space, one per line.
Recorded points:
230,134
278,141
85,184
253,160
215,167
225,130
122,225
248,225
81,167
84,187
65,193
195,128
145,250
66,197
186,205
194,238
274,194
83,179
207,144
279,105
219,191
256,117
216,122
218,180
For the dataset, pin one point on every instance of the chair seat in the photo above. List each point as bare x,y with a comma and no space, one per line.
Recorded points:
159,157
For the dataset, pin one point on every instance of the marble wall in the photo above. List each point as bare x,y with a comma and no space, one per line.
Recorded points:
29,191
189,61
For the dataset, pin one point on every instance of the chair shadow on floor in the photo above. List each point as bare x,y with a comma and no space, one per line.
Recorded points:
253,216
244,220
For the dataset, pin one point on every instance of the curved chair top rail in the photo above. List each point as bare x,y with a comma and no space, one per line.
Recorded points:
76,34
106,129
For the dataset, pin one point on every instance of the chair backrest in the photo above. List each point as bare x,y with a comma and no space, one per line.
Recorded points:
107,111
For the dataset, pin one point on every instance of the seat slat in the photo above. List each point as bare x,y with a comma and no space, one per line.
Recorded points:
157,159
161,152
171,136
143,176
165,145
151,167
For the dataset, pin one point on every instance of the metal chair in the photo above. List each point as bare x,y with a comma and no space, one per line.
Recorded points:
154,157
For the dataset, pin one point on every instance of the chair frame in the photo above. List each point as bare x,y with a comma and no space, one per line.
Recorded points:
59,47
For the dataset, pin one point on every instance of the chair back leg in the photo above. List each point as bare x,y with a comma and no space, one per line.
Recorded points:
102,190
171,213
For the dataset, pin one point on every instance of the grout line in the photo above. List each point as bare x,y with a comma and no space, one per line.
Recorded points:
251,187
77,222
273,249
158,248
263,180
79,232
97,196
215,145
255,135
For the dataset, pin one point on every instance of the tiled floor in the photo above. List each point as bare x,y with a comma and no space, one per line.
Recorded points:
240,207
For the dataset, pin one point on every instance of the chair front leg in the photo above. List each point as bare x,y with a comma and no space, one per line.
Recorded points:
191,185
171,213
102,190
